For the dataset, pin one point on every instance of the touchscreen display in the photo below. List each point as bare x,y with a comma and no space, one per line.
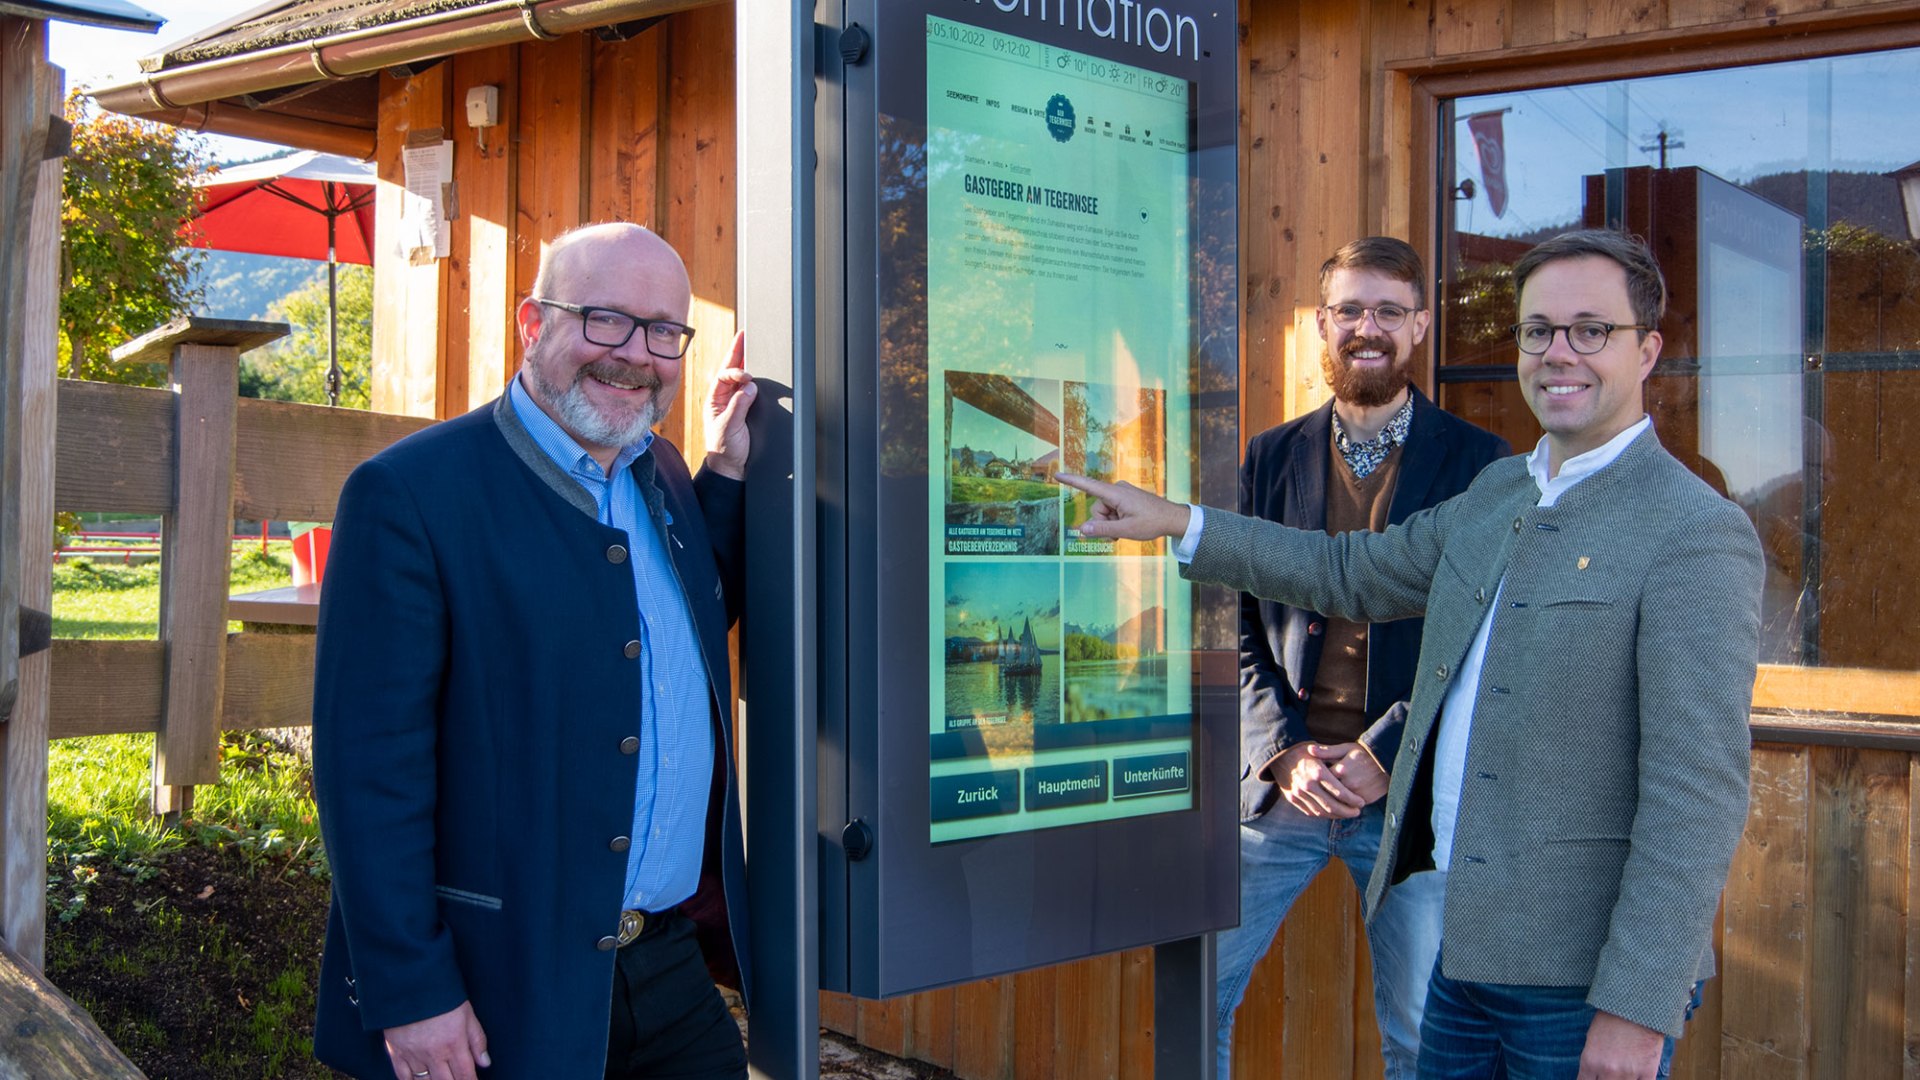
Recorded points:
1057,322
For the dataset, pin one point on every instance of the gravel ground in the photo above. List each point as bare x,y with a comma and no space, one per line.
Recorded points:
842,1058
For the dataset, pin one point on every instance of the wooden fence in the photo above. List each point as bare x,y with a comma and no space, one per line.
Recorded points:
197,456
1820,966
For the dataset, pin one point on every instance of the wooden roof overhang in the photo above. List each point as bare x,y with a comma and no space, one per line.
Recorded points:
300,72
115,14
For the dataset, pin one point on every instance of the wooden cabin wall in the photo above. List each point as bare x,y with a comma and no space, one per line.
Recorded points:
1820,973
590,130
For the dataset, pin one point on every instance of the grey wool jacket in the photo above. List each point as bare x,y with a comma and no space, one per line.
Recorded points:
1606,776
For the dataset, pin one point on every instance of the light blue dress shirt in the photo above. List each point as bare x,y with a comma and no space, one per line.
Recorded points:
675,724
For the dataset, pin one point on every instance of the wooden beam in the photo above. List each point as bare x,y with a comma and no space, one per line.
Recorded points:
1910,1056
290,460
624,154
23,796
269,681
238,335
481,349
702,216
408,319
1318,1010
1857,835
113,448
1767,958
105,688
549,195
1837,690
115,687
195,567
23,140
29,416
43,1034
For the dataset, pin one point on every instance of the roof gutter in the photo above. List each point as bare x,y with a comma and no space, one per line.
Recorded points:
190,96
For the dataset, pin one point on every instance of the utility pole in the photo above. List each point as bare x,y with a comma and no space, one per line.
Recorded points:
1663,140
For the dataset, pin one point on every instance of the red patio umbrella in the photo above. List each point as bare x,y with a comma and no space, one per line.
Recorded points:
307,205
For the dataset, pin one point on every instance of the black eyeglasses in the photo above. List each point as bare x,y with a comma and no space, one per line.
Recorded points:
611,329
1388,317
1585,337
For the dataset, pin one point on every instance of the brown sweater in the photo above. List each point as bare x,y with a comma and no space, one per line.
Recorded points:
1336,706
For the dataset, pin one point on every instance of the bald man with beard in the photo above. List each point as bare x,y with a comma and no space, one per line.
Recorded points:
522,741
1323,699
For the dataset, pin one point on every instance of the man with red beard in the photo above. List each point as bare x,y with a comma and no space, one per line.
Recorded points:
1323,700
522,741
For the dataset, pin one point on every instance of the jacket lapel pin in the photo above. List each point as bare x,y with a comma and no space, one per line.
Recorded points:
1583,563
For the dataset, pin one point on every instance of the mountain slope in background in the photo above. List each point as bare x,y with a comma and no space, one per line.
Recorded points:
240,286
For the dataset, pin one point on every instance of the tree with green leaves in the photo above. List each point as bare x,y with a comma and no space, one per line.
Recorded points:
295,368
128,189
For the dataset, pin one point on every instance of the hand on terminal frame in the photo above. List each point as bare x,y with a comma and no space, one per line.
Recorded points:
1125,512
733,392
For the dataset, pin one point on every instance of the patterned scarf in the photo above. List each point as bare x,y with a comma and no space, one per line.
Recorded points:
1364,457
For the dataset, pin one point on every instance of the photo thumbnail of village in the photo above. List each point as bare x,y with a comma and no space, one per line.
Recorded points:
1115,652
1002,440
1115,434
1002,649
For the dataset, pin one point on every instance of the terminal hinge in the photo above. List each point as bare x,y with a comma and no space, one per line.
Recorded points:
856,840
854,42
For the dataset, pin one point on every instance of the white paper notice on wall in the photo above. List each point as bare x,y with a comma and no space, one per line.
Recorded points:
424,230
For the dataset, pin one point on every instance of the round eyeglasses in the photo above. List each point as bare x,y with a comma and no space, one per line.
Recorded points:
611,329
1586,337
1388,317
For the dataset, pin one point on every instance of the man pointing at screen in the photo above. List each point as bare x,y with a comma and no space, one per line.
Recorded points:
1576,751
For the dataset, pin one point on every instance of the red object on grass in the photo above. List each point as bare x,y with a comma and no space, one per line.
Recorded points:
310,555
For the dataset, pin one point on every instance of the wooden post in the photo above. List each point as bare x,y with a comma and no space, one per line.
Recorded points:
23,739
29,208
195,544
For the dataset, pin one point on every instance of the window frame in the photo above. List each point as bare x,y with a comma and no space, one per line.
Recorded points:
1851,706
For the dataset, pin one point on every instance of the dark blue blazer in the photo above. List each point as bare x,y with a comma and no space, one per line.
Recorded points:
472,692
1284,479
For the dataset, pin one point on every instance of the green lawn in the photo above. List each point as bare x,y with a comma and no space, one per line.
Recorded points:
194,945
979,489
97,787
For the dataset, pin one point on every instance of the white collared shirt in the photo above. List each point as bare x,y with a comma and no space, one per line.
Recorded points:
1456,713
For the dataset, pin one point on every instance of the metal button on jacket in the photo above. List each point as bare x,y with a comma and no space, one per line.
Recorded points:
1441,671
1313,628
630,744
619,843
1480,596
1516,524
607,944
616,554
632,650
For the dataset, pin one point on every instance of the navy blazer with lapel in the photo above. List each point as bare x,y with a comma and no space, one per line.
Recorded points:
1284,479
473,694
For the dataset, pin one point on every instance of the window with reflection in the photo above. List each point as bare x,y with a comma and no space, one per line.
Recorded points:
1783,201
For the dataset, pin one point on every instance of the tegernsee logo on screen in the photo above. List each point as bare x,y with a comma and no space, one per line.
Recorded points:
1131,22
1060,117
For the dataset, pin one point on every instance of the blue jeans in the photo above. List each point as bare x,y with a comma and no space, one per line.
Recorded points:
1280,852
1476,1031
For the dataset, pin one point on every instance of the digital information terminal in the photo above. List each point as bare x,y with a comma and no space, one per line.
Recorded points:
1029,735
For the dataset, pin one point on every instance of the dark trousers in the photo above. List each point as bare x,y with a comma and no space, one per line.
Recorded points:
668,1019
